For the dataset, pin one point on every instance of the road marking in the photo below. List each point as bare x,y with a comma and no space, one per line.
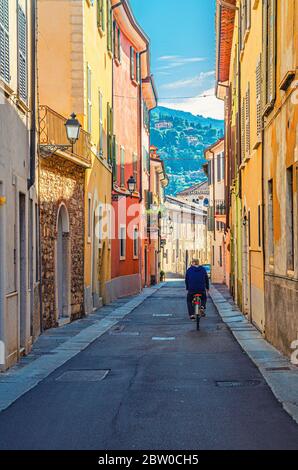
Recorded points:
162,314
160,338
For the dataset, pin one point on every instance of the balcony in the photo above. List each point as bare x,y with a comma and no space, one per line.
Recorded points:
53,139
220,210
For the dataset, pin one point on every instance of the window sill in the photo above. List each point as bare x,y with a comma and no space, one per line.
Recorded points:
122,258
135,82
6,88
117,62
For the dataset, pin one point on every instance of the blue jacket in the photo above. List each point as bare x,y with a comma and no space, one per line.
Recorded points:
196,279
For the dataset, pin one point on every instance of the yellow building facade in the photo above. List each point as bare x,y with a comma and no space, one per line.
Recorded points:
98,120
75,75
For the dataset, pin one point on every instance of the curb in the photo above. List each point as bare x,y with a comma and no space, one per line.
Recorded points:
14,384
280,374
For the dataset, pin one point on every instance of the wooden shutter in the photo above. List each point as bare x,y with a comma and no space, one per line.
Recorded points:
4,41
100,14
109,26
248,14
218,168
100,124
89,99
272,51
115,169
243,130
119,44
247,121
259,98
138,59
132,64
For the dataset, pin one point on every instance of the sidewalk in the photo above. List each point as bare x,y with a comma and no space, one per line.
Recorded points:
58,345
280,374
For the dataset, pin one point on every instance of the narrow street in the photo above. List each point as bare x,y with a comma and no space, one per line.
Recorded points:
167,387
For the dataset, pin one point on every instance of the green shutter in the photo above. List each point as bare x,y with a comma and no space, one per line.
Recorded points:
110,26
100,14
115,175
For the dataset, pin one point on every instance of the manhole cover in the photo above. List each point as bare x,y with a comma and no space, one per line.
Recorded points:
124,333
237,383
83,376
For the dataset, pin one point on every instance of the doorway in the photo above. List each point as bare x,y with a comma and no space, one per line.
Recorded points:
22,273
63,265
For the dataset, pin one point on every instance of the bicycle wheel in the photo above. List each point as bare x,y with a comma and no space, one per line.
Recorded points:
198,317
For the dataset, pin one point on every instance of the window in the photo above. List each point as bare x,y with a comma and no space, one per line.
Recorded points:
122,241
220,256
245,19
89,218
122,167
115,162
89,99
100,15
109,26
146,160
259,99
290,219
136,243
138,67
213,257
157,186
247,121
100,226
270,222
146,116
218,170
110,126
132,64
269,53
259,226
4,41
22,54
135,166
249,229
117,42
100,144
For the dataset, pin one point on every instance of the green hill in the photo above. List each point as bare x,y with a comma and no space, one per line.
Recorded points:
181,138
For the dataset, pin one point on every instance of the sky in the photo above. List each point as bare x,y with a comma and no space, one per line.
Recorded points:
182,39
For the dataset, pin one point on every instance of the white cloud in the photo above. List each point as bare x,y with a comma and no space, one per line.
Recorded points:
197,80
207,106
173,61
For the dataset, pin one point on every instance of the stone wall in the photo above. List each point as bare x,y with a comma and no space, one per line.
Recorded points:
281,312
61,182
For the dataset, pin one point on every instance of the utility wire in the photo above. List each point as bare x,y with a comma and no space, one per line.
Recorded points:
165,99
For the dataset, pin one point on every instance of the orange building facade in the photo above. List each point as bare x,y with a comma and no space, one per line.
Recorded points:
133,97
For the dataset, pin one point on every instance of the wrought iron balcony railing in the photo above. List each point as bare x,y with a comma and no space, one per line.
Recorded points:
219,207
52,135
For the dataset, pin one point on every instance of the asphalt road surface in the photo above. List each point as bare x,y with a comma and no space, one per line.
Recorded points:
193,391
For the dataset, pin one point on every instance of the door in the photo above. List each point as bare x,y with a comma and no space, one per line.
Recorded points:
63,269
22,273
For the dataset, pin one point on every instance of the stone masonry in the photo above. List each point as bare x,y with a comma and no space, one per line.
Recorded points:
61,181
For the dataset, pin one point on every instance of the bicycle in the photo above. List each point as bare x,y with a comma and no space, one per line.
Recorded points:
197,302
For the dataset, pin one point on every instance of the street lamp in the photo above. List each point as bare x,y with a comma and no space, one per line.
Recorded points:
73,128
131,184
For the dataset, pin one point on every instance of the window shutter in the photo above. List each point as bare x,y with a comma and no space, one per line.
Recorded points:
110,26
100,14
248,14
272,52
259,98
100,125
218,168
243,130
132,63
138,68
89,100
119,44
114,159
247,120
4,41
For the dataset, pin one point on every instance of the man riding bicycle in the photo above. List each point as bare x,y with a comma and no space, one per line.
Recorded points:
197,282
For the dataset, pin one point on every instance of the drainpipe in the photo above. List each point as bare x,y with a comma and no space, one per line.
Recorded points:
33,96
